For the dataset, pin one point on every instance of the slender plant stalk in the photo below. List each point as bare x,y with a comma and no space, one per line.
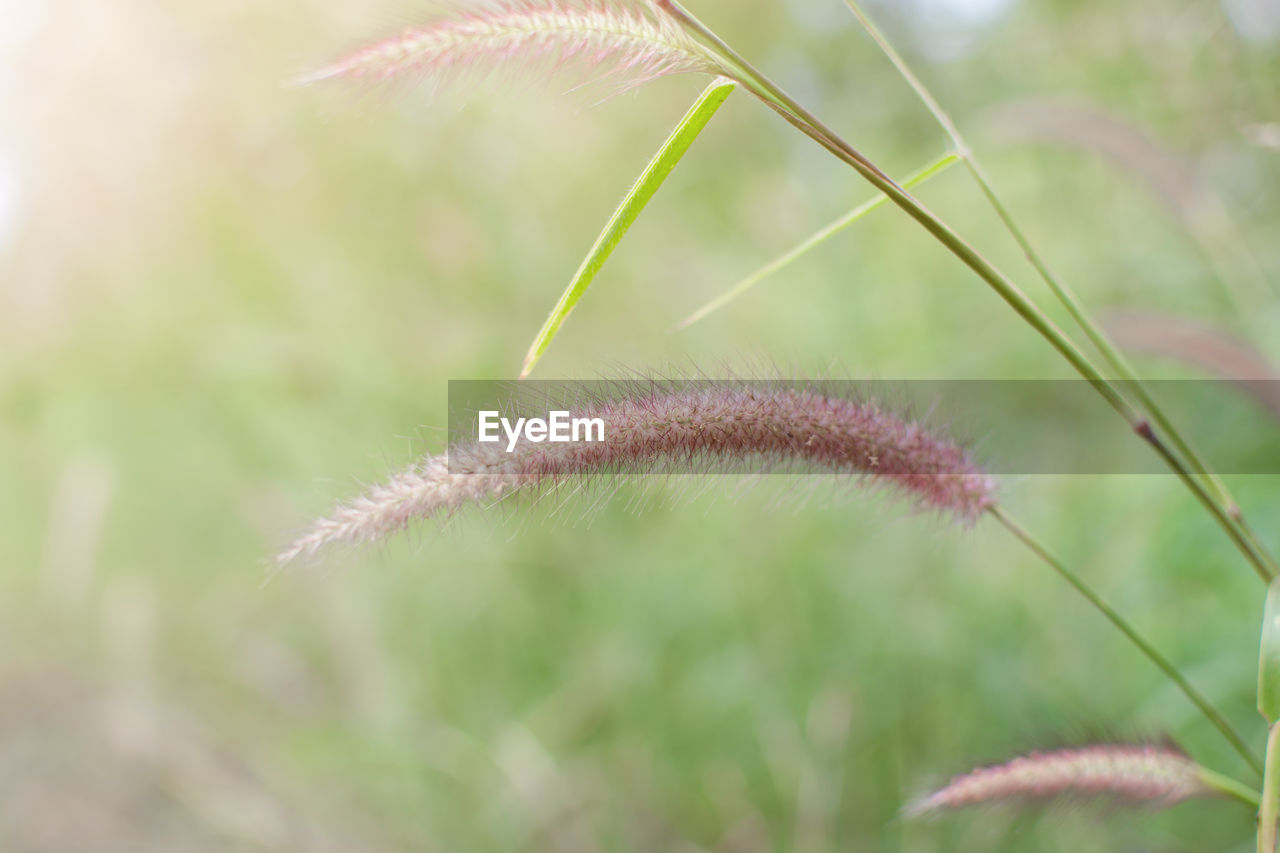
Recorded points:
783,104
1170,671
1229,787
1269,813
1223,517
1064,293
1269,658
1269,707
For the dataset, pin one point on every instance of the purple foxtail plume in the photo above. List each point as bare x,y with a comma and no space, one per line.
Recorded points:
647,429
630,40
1138,774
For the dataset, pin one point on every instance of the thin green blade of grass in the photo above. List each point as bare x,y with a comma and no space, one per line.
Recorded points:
653,176
812,242
1269,657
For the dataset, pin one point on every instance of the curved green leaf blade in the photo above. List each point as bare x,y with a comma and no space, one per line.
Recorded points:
1269,657
812,242
641,192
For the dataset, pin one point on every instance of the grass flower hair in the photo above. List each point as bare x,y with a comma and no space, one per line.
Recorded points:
1144,774
628,40
704,427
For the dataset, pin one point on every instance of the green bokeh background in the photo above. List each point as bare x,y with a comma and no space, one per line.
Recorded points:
226,303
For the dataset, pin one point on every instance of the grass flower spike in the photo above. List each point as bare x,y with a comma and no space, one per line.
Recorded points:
710,427
1138,774
627,40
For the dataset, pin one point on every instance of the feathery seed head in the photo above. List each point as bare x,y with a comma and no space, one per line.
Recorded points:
715,426
628,40
1139,774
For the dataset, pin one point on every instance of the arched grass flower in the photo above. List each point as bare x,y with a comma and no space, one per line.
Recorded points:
712,427
625,40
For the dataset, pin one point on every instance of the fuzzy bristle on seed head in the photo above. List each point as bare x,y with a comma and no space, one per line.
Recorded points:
626,41
1144,774
718,427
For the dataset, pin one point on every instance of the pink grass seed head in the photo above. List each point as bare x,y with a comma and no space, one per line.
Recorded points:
627,41
1141,774
646,430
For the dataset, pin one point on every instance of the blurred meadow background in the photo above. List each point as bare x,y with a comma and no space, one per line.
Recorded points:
226,302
